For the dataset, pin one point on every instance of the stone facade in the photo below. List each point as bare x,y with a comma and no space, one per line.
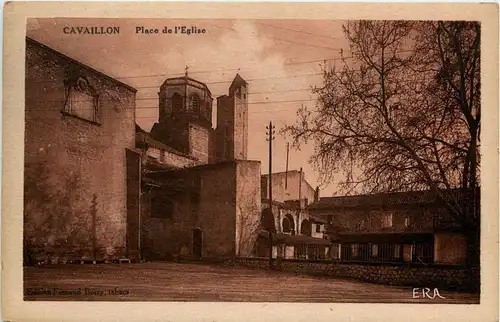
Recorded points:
295,188
232,122
248,206
224,212
393,227
160,153
78,124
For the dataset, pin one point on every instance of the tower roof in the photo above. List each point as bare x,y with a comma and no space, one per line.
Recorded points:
184,79
237,82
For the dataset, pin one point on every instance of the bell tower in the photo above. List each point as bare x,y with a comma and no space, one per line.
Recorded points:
185,117
232,122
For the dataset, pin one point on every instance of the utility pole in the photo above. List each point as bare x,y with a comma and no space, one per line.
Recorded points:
270,133
93,212
286,173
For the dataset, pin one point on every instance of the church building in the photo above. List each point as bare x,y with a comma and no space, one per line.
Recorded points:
200,195
99,188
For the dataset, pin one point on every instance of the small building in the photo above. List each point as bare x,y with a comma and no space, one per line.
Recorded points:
288,185
192,213
295,233
413,227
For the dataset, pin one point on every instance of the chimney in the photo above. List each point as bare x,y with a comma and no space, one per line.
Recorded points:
316,194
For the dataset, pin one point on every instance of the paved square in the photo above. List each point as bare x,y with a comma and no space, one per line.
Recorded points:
200,282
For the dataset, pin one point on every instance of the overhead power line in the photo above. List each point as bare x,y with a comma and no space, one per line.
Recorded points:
250,68
279,39
299,31
156,107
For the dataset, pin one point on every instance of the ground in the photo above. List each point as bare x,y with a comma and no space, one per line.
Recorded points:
201,282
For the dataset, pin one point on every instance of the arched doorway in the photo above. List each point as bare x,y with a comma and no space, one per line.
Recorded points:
288,224
267,220
197,242
305,227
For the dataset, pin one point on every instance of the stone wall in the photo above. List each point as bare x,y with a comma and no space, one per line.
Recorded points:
224,144
247,206
217,209
75,169
199,139
436,276
240,133
294,183
164,238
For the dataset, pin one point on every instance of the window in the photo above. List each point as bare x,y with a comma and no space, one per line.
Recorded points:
318,228
374,250
176,102
305,227
244,91
354,250
407,221
194,103
286,225
81,99
315,252
300,251
386,220
238,92
397,251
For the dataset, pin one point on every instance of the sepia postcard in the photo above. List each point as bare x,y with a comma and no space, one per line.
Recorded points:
250,161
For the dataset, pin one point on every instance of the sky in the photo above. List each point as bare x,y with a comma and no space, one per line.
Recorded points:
280,59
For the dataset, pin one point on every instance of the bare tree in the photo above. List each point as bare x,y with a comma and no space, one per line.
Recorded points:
401,113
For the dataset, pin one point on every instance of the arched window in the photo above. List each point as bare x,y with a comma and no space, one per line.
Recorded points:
305,227
176,102
82,99
288,224
267,220
194,103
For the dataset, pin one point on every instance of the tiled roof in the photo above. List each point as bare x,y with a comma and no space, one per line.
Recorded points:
380,199
317,220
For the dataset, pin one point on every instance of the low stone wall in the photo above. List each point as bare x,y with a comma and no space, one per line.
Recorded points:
431,276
